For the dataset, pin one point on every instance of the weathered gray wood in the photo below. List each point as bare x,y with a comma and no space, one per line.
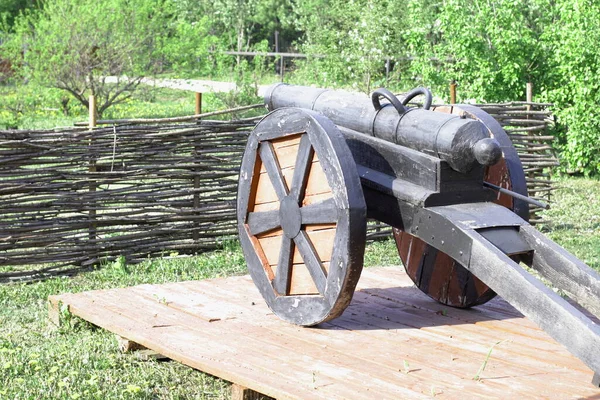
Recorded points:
301,168
281,283
564,270
263,221
456,234
558,318
324,212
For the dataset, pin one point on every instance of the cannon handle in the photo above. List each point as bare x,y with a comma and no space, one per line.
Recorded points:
391,97
418,91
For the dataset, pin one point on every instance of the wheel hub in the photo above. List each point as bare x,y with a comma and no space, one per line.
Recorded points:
290,217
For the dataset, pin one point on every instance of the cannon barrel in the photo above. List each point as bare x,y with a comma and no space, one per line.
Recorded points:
462,143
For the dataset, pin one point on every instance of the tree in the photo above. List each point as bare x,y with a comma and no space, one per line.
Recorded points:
490,47
350,40
75,45
575,88
9,9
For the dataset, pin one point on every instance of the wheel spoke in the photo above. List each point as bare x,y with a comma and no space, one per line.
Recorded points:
324,212
302,168
311,260
267,156
281,283
264,221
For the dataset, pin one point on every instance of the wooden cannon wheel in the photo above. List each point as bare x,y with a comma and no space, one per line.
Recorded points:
434,272
301,216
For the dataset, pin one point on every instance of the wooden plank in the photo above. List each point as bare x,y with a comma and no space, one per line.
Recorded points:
292,343
239,392
479,348
380,349
316,184
463,347
126,345
223,342
321,239
391,343
286,150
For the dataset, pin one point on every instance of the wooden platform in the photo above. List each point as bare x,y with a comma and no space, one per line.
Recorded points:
392,342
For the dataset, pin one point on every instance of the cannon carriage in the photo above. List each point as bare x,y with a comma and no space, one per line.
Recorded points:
447,179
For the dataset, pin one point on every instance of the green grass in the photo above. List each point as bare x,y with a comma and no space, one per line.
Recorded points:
34,107
575,218
82,361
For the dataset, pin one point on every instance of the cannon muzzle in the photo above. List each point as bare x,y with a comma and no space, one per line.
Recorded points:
462,143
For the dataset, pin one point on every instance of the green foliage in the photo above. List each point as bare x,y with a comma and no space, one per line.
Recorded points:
188,47
247,75
574,218
74,45
244,23
20,105
491,48
81,361
35,107
350,41
9,9
576,89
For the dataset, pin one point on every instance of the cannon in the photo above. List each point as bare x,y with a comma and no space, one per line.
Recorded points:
447,179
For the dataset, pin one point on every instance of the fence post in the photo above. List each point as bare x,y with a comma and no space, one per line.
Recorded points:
529,99
92,169
198,108
92,108
453,92
387,70
529,95
196,204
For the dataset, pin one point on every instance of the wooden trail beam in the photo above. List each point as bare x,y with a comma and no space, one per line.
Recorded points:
468,231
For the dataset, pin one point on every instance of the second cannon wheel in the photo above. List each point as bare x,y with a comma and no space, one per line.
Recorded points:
434,272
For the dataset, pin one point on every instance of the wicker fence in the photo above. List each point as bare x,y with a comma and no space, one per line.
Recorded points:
527,125
74,198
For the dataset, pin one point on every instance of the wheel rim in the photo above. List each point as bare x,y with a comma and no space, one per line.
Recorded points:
303,241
